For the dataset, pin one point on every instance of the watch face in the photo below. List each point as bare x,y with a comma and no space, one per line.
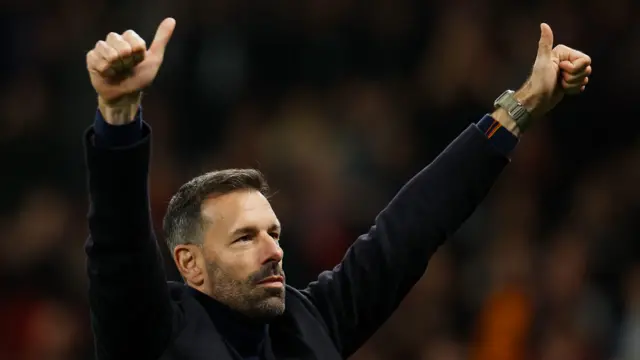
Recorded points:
506,101
500,101
510,104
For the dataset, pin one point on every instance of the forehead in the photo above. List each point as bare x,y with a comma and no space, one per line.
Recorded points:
237,209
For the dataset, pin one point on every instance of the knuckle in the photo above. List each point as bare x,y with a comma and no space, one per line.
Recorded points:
111,57
111,53
108,52
137,48
102,66
119,49
91,59
124,49
113,36
141,44
134,40
131,35
102,45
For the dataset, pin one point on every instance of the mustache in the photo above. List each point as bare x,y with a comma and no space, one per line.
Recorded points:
267,270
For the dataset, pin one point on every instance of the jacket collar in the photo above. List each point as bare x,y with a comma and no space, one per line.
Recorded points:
246,336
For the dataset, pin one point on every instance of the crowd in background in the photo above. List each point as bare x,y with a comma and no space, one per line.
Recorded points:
339,102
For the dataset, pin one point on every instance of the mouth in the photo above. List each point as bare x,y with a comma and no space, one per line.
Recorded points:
277,281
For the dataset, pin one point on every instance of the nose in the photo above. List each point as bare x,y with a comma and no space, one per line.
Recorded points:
271,249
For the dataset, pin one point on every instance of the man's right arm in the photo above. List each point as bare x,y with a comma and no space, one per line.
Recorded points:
131,312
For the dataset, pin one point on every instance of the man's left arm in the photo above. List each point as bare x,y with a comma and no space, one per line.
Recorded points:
381,267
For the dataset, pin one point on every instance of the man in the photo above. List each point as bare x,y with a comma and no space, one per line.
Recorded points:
224,236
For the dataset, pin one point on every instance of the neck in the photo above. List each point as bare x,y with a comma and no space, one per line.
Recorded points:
244,334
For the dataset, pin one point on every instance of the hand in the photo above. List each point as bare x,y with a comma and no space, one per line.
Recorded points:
556,72
121,67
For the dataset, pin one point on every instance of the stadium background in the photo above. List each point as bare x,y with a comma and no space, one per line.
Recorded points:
339,102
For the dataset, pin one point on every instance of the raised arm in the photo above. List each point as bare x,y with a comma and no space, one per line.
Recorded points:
359,295
131,312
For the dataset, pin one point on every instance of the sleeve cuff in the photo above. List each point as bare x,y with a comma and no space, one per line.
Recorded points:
107,135
501,139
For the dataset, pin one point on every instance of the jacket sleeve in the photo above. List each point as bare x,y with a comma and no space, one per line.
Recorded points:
131,312
379,269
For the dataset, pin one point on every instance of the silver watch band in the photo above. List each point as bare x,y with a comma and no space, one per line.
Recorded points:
518,113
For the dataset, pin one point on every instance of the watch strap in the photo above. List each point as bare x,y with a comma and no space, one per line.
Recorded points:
514,108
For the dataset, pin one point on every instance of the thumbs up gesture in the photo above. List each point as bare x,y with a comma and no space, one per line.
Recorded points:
121,66
557,71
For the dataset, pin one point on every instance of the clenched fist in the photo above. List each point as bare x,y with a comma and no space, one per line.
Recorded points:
120,67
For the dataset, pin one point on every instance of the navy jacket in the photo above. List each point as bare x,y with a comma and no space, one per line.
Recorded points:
137,314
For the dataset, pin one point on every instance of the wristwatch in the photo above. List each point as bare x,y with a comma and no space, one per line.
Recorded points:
514,108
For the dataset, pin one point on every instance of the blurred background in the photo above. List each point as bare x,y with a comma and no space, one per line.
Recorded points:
339,102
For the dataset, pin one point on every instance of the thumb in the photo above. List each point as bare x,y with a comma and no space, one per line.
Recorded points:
545,46
162,37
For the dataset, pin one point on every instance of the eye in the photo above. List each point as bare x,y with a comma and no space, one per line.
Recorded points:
244,238
275,235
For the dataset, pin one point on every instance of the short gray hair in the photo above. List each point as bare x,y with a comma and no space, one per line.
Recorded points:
183,222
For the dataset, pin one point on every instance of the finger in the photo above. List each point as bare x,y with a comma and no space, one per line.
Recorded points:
122,47
107,52
580,64
576,55
566,66
577,66
162,37
566,53
570,89
575,88
138,47
117,42
97,63
574,79
545,45
575,84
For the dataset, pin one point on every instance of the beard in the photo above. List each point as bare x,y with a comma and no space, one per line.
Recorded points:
247,296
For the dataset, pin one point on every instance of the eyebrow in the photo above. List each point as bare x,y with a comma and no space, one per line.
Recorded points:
252,230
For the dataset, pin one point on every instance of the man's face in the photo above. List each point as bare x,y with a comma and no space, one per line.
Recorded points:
242,253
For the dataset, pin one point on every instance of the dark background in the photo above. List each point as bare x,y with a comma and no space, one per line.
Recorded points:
339,102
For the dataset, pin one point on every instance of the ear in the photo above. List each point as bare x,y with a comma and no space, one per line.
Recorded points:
188,259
